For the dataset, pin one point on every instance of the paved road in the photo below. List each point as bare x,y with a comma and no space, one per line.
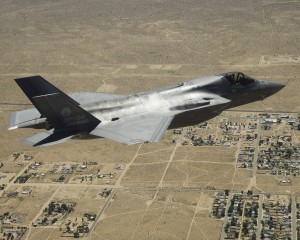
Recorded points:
256,151
103,209
294,219
223,235
259,218
15,104
138,188
257,111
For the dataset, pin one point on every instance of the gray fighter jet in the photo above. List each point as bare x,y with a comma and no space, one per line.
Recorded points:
131,119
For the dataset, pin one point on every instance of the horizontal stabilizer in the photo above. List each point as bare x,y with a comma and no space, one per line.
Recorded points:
24,118
47,138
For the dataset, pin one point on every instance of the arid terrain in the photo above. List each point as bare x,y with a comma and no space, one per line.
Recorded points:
162,190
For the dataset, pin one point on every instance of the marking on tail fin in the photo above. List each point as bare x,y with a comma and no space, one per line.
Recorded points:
44,95
66,112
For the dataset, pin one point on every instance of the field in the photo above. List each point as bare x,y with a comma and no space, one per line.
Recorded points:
165,190
158,215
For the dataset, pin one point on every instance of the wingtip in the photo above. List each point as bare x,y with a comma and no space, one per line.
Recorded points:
22,78
13,127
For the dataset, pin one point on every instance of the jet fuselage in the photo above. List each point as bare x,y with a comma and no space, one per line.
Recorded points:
186,97
141,117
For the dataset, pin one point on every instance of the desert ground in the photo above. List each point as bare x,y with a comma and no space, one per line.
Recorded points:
165,190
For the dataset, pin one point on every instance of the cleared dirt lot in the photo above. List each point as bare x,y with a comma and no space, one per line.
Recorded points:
199,174
205,154
144,175
272,184
169,215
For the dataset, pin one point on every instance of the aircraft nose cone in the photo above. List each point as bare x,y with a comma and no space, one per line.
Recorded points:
270,88
275,86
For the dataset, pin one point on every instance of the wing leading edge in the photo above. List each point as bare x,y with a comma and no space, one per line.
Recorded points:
145,127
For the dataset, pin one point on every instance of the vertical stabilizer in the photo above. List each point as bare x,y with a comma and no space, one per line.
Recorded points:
60,110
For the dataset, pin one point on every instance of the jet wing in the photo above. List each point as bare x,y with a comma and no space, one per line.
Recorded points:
138,128
151,126
47,138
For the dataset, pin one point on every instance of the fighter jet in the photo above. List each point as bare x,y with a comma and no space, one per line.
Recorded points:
131,119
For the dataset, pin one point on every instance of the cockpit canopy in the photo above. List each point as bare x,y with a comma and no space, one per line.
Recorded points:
238,78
